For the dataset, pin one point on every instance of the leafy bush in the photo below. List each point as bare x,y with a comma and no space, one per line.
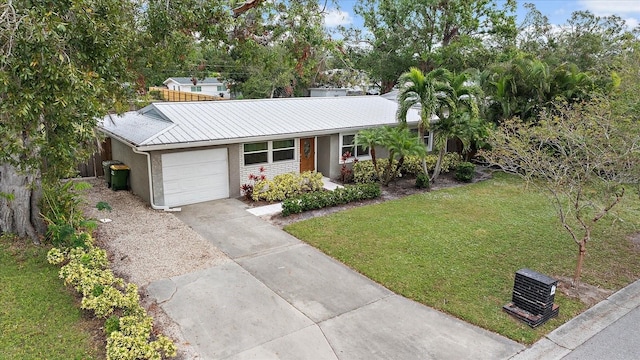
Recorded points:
321,199
155,94
62,211
285,186
465,171
422,181
413,164
85,268
128,327
450,162
363,171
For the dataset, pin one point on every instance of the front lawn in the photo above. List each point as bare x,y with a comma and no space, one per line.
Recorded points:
457,250
38,316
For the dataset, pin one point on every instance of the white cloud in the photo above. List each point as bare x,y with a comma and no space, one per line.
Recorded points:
337,17
609,7
632,22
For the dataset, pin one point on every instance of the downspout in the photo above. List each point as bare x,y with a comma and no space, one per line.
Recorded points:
153,206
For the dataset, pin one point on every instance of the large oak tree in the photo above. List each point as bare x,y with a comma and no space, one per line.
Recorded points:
63,65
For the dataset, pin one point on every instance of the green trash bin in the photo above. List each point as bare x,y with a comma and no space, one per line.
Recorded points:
106,168
119,177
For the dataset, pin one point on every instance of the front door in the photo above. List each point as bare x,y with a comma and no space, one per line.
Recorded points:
307,155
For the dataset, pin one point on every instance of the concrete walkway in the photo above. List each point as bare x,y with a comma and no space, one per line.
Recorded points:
276,208
282,299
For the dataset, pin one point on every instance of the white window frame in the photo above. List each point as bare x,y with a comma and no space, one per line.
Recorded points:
196,88
273,150
221,88
427,139
270,150
366,156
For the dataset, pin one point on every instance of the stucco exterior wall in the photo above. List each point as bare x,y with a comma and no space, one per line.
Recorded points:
234,170
323,154
138,175
334,157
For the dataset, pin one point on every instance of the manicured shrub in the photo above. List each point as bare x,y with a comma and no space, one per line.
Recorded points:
321,199
422,181
450,161
465,171
287,185
364,172
128,327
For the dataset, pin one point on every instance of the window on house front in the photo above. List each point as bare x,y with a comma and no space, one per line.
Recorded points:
347,144
284,150
221,88
196,88
256,153
427,139
269,151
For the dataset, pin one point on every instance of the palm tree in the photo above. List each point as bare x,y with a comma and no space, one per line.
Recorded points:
458,118
400,143
429,91
370,138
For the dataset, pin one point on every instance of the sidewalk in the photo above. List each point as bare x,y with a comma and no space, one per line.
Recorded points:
609,330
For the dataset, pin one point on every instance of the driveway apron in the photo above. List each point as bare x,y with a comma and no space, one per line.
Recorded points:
282,299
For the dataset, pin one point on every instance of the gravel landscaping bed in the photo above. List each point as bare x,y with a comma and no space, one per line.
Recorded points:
145,245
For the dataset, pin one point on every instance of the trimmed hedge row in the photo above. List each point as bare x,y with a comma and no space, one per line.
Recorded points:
321,199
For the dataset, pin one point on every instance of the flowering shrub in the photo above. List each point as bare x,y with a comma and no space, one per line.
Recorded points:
287,185
346,173
248,189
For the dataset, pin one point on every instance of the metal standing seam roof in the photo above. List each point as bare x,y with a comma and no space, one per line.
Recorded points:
180,123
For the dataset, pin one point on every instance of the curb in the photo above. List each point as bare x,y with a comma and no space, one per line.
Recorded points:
575,332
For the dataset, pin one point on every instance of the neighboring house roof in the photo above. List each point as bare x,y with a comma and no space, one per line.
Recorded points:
190,124
187,81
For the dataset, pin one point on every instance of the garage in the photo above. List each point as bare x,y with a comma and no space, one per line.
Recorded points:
195,176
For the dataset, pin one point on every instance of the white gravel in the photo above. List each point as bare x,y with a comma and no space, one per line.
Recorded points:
145,245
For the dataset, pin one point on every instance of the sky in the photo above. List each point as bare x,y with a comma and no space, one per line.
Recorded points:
558,11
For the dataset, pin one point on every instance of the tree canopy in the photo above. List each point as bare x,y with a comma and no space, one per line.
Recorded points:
428,34
63,65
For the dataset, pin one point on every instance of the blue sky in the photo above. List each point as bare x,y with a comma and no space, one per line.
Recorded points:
558,11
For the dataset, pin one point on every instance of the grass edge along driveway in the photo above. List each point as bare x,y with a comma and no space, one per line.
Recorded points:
457,250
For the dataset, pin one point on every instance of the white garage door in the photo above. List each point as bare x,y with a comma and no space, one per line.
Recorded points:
195,176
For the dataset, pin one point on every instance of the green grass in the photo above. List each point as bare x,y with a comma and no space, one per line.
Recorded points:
457,249
39,318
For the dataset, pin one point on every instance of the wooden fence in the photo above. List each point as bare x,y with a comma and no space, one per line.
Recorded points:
93,166
174,95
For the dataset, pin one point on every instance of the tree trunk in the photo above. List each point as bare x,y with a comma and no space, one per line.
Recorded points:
424,160
436,171
582,250
19,198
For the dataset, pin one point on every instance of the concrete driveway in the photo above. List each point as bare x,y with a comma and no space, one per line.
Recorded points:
282,299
